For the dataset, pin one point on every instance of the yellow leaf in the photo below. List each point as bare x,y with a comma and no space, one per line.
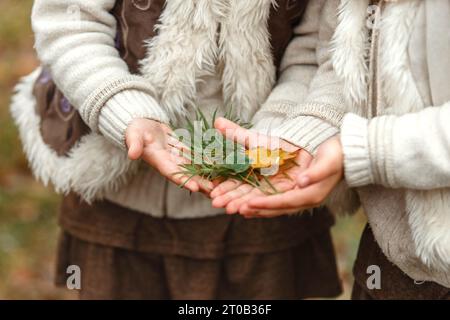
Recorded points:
265,158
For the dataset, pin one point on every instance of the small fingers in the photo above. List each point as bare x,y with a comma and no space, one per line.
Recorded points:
309,197
178,147
234,132
235,205
327,163
223,200
205,185
184,181
285,201
167,167
246,211
225,187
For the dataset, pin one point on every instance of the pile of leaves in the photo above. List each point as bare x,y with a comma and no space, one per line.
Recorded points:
233,161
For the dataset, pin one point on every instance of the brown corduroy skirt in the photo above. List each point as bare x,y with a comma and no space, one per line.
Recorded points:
395,285
127,255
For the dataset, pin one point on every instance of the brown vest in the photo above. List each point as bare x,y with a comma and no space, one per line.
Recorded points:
137,19
62,126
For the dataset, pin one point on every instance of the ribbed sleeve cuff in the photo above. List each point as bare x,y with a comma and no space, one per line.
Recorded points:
381,131
91,108
368,150
355,144
306,132
124,107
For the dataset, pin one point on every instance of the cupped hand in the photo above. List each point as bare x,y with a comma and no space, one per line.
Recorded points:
313,185
152,142
234,195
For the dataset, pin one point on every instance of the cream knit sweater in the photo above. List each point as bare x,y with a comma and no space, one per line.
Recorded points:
75,40
395,137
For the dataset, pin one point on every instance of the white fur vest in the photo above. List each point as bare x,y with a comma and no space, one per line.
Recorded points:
396,56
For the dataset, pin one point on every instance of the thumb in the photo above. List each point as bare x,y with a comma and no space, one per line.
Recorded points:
234,132
135,143
320,169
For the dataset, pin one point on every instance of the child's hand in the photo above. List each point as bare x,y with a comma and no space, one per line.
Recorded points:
233,194
313,180
151,141
313,186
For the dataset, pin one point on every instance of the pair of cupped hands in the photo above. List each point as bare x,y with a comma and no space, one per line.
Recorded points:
301,187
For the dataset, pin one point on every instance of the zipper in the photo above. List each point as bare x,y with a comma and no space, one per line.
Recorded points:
374,37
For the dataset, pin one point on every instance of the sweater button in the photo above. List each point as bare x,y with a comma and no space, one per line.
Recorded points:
65,106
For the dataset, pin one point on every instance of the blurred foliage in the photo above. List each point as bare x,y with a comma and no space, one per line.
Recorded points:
28,210
28,229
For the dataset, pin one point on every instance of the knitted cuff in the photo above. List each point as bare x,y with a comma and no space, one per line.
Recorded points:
380,148
367,150
306,132
355,144
123,108
91,108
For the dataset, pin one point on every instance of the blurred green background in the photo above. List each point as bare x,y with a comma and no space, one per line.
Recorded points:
28,210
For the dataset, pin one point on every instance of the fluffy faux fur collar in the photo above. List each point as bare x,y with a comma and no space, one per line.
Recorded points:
203,37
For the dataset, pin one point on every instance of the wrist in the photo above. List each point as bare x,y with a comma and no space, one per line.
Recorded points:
121,110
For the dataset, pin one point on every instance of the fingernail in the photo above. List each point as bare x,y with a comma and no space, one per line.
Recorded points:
303,181
218,204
